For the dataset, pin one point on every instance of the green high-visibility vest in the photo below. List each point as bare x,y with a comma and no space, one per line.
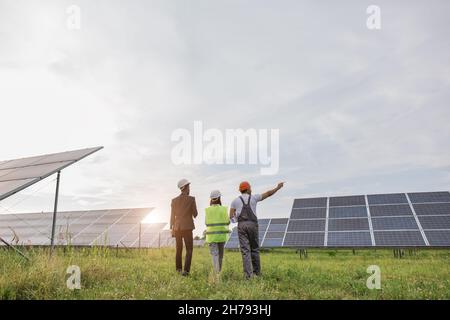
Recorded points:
217,222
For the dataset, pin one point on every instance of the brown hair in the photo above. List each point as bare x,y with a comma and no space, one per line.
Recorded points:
215,201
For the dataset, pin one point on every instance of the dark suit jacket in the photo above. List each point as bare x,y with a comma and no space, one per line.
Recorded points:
184,210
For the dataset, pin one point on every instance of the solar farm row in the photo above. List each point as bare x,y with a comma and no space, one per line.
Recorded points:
420,219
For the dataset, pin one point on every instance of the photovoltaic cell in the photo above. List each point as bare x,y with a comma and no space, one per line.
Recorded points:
398,238
390,210
306,225
432,209
394,223
391,198
349,239
354,224
348,212
438,237
310,203
279,221
425,197
435,222
232,244
312,213
277,227
272,235
307,239
347,201
270,243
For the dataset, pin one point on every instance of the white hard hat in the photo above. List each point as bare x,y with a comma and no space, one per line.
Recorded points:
215,194
182,183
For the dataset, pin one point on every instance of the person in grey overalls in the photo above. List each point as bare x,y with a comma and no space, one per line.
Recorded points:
243,210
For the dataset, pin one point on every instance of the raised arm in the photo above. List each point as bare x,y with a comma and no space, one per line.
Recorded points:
272,192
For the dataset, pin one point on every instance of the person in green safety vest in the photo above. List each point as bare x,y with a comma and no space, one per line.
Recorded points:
217,222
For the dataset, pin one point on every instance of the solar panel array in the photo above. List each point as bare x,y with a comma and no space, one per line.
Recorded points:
120,227
18,174
417,219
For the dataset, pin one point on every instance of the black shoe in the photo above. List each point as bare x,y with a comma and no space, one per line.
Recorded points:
185,274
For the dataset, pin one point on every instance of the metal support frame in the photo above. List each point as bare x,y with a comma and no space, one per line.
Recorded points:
424,236
327,217
369,217
14,248
55,210
140,233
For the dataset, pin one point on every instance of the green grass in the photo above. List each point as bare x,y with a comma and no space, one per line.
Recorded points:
150,274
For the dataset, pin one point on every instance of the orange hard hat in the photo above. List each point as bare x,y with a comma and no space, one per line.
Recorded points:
244,185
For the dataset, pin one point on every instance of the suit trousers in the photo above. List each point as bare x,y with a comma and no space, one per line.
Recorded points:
186,236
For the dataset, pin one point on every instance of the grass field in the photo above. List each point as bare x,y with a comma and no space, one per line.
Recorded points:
150,274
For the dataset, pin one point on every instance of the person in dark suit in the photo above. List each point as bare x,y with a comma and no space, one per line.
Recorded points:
184,210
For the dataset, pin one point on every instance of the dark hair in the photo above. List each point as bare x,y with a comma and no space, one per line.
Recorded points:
244,191
215,201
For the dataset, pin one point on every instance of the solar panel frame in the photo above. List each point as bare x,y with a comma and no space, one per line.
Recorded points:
26,182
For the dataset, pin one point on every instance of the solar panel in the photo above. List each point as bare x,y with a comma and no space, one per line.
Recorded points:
391,198
305,239
271,235
310,213
432,209
347,201
310,203
349,239
277,227
18,174
394,223
78,228
438,237
391,210
270,243
435,222
385,220
348,212
398,238
353,224
306,225
426,197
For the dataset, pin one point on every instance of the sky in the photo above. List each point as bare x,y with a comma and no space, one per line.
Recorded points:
359,111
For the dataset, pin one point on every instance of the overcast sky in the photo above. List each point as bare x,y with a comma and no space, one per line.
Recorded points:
358,110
